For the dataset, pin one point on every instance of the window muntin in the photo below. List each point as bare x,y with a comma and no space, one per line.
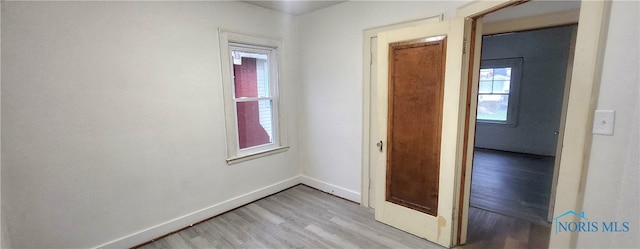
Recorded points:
498,91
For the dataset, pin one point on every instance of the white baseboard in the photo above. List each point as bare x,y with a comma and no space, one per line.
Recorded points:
332,189
176,224
200,215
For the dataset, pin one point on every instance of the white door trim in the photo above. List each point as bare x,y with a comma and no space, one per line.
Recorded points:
563,121
585,82
461,225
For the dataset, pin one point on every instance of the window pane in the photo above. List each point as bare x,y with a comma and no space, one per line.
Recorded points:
485,87
486,74
501,86
255,123
503,73
251,74
493,107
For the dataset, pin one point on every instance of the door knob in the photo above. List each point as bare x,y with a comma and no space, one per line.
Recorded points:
379,144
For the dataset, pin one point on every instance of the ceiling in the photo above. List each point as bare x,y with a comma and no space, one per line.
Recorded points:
532,8
300,7
294,7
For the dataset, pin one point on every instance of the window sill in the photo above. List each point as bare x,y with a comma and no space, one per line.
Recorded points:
256,155
496,123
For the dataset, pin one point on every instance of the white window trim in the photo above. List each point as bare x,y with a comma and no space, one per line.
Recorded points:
514,90
234,153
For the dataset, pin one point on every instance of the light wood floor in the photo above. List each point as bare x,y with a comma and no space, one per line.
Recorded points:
300,217
303,217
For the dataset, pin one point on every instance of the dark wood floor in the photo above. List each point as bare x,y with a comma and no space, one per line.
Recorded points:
512,184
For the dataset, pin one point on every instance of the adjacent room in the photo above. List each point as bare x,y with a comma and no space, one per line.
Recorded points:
523,79
210,124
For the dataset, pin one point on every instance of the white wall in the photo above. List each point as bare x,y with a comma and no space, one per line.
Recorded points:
331,105
331,77
112,116
612,190
4,239
112,113
544,65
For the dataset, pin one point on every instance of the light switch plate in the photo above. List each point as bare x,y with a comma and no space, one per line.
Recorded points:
603,122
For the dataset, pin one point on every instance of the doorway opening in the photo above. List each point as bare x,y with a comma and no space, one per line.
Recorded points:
522,94
576,141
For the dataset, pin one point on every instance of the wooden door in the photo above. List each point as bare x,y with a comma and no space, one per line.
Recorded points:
416,84
418,95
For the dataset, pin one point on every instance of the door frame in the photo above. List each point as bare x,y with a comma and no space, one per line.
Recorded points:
589,47
583,97
512,25
563,121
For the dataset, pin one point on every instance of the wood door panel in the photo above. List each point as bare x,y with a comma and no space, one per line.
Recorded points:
416,89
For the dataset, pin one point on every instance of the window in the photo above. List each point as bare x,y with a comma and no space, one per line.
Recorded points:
250,80
498,91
